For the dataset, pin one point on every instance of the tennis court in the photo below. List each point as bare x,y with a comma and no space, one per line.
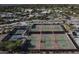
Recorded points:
48,27
51,41
57,28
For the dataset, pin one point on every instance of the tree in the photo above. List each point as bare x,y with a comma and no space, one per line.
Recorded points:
10,46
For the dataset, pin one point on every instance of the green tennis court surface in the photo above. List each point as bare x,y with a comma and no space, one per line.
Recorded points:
51,41
47,28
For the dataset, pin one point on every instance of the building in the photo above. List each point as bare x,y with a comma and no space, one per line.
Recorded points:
17,33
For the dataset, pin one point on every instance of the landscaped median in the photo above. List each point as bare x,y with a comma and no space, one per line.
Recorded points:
66,27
